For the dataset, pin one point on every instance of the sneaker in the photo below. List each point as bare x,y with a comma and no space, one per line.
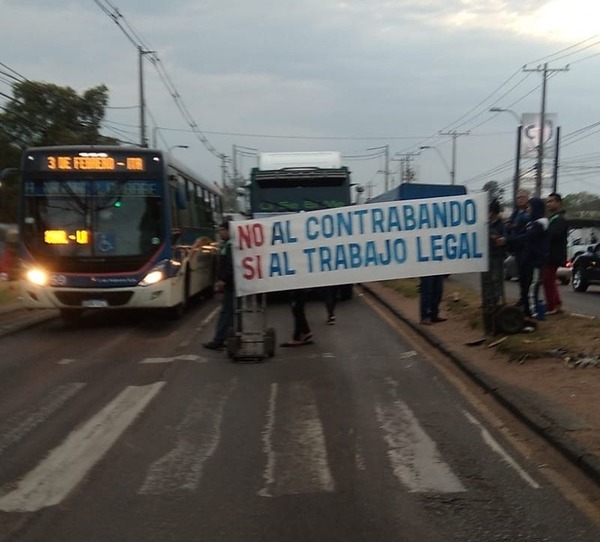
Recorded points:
213,345
426,322
436,319
331,320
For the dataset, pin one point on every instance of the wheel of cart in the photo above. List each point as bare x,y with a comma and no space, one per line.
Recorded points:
250,340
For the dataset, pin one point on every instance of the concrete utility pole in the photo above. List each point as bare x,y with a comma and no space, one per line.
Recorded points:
386,150
143,138
540,149
405,174
454,135
223,170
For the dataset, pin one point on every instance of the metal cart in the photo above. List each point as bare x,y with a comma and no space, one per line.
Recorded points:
250,340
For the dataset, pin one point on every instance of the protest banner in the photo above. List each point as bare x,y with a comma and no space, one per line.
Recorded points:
361,243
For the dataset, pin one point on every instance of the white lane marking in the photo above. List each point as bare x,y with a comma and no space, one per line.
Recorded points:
67,361
413,455
67,464
295,448
183,357
496,447
18,426
198,436
202,325
408,354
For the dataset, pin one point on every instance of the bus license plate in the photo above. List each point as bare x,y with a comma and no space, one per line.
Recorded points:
94,303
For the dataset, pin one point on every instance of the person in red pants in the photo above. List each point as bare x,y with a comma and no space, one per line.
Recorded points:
557,255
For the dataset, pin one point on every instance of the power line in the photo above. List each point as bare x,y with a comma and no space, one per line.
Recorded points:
114,13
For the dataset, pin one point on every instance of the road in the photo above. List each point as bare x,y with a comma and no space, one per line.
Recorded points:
124,429
587,303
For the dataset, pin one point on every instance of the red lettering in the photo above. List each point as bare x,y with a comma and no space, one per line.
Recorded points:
259,266
252,267
251,236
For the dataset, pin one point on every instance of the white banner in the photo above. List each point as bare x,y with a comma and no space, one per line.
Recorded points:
361,243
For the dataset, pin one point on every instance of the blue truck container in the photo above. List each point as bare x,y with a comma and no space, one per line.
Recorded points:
420,191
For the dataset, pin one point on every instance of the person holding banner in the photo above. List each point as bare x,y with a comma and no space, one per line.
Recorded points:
330,295
224,285
302,334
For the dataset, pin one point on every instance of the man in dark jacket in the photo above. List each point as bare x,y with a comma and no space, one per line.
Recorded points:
517,223
557,251
535,253
224,284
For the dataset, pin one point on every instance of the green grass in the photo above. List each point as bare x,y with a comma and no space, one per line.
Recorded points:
565,332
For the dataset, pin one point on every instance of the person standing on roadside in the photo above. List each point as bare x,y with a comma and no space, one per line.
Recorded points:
557,251
535,253
224,285
517,223
497,250
431,290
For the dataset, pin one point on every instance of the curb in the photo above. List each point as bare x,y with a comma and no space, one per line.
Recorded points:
543,425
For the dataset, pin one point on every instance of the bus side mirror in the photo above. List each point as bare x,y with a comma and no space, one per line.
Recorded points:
4,173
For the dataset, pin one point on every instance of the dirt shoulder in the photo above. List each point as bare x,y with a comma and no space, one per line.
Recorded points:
549,377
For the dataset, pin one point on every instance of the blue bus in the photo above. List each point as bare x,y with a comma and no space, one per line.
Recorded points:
114,228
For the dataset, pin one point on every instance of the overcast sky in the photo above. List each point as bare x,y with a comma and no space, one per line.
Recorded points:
329,75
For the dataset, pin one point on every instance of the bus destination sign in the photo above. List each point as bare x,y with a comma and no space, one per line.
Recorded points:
94,162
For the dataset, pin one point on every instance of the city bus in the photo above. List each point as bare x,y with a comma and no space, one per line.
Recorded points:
114,228
291,182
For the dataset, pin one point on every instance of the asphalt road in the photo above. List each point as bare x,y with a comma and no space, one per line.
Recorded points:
125,429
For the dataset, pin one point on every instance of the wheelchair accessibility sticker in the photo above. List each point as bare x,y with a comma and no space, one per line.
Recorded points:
106,242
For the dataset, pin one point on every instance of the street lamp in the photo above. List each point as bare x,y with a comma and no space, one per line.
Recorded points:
439,153
502,110
177,147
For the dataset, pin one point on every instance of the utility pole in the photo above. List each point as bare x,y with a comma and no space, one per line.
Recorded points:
234,163
143,138
540,147
386,170
223,170
406,174
454,134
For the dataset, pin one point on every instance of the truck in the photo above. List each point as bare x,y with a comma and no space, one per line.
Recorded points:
419,191
291,182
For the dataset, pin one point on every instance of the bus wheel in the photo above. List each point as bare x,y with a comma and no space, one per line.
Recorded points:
70,316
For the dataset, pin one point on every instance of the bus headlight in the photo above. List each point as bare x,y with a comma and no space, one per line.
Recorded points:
39,277
155,275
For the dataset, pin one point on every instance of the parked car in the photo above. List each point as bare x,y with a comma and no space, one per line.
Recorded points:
563,274
586,268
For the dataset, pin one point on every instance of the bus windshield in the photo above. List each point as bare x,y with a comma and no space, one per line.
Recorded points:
104,218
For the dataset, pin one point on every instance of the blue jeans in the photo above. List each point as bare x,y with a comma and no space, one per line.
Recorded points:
225,321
